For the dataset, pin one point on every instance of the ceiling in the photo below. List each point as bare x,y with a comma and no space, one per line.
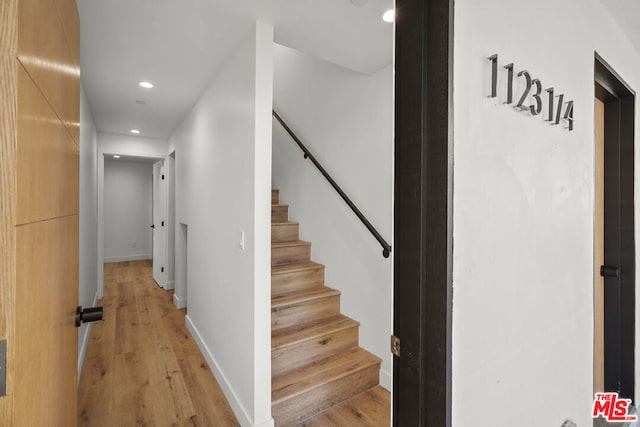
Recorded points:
179,44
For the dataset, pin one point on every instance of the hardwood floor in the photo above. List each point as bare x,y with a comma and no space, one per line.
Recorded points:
142,367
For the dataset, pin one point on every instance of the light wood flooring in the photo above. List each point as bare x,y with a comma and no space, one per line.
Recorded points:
369,409
142,367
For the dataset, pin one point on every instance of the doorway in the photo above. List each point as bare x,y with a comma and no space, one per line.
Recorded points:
147,221
614,234
158,223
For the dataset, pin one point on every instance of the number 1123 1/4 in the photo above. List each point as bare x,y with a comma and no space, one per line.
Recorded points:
558,109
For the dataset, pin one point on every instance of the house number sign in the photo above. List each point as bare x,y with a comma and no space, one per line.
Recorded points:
557,108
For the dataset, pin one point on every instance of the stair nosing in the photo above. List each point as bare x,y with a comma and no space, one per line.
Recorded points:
344,323
298,296
282,223
290,243
367,358
295,266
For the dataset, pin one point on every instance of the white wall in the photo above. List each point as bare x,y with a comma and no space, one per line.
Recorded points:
129,145
223,170
127,210
346,120
88,275
113,143
523,213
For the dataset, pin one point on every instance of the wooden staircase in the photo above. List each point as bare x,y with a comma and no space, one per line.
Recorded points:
316,362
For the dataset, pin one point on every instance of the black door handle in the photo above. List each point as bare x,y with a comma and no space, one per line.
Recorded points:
90,314
153,226
609,271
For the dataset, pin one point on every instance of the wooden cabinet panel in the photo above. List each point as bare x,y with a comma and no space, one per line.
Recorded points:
44,51
47,159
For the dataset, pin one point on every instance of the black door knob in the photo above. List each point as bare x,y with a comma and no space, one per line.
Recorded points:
153,226
609,271
90,314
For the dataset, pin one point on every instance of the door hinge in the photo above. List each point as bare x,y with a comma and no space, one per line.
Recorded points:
395,345
162,223
161,269
163,177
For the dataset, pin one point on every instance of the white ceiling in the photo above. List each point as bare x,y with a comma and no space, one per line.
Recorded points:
627,15
179,44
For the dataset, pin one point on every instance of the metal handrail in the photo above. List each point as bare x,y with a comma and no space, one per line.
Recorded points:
386,248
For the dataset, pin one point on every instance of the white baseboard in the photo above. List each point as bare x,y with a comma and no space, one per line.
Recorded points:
84,343
127,258
237,407
170,285
83,350
179,302
269,423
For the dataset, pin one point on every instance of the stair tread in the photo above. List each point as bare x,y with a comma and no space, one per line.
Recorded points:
295,334
290,243
295,266
285,223
296,297
371,408
316,360
292,383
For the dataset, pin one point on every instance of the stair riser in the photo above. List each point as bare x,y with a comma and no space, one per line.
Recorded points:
309,351
284,232
290,254
297,280
307,311
297,409
279,213
275,197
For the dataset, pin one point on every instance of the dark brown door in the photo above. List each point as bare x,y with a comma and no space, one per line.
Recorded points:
598,253
422,246
616,106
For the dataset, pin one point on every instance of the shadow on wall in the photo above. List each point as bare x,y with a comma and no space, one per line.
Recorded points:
180,295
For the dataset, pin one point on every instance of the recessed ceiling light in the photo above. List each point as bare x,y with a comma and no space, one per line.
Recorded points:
146,85
115,156
136,131
388,16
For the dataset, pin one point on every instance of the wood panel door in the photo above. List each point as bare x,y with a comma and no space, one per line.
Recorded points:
39,155
158,234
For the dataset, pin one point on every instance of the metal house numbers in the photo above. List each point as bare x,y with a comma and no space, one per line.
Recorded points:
557,108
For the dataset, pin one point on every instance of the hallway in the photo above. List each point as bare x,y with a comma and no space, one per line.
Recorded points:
142,367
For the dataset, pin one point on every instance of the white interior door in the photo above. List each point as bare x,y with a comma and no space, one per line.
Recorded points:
159,223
